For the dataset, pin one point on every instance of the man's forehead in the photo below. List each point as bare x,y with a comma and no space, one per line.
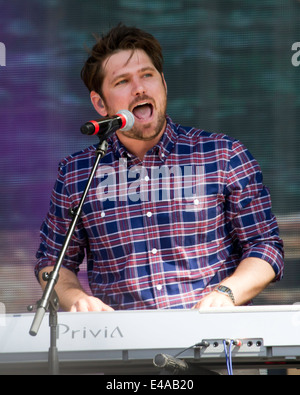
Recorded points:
118,62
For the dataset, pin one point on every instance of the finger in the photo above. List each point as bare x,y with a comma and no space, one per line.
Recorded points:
90,304
95,304
81,306
107,308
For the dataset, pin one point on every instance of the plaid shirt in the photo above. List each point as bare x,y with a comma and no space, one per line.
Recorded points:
164,232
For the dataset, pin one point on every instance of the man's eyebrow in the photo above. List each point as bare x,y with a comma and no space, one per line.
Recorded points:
147,68
117,77
124,75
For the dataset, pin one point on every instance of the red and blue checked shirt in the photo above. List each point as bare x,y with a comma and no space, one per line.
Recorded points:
164,232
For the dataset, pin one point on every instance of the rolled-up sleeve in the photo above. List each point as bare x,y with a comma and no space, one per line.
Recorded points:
54,228
249,212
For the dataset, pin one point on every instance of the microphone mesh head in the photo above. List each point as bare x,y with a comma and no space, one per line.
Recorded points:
129,119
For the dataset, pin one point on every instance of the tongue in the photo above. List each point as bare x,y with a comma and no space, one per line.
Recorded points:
142,112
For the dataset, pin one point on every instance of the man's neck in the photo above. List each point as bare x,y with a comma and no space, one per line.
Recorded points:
139,148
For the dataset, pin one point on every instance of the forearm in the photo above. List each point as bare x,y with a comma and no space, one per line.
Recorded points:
72,296
68,287
249,279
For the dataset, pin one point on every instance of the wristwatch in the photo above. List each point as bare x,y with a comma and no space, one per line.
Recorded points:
226,291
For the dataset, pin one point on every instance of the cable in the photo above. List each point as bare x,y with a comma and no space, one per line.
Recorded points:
228,348
228,356
200,344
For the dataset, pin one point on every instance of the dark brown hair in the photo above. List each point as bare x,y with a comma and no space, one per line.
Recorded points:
119,38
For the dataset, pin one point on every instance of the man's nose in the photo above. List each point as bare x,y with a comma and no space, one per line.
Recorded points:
138,88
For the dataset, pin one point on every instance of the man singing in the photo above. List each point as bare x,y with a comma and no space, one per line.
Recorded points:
188,226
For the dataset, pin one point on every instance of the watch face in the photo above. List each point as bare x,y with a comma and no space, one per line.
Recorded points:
227,291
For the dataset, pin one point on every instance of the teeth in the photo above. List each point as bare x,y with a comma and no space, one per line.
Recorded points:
142,104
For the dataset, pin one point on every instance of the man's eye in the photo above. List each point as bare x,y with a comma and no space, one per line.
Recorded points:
121,82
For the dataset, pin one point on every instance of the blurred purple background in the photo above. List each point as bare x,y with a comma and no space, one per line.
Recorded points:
228,68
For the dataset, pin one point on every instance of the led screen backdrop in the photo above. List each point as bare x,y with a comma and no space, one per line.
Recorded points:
231,66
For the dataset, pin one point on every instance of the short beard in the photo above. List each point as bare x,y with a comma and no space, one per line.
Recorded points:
138,132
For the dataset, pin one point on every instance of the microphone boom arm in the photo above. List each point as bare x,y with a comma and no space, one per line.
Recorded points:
49,300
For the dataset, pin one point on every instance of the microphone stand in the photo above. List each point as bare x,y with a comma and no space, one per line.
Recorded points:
49,300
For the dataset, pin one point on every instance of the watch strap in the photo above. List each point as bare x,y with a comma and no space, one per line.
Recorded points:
226,291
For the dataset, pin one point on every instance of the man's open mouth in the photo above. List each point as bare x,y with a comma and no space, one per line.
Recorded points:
143,111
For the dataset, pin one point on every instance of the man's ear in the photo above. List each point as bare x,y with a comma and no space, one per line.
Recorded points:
164,82
98,103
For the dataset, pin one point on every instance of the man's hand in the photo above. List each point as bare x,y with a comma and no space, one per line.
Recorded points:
249,279
71,295
214,299
89,303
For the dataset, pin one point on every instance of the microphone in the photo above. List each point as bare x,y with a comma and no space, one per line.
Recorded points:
105,127
169,362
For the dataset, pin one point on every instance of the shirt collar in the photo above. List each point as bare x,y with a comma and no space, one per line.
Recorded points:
162,149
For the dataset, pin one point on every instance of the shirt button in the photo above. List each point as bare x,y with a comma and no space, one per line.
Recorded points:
102,214
196,202
149,214
154,251
146,178
159,287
